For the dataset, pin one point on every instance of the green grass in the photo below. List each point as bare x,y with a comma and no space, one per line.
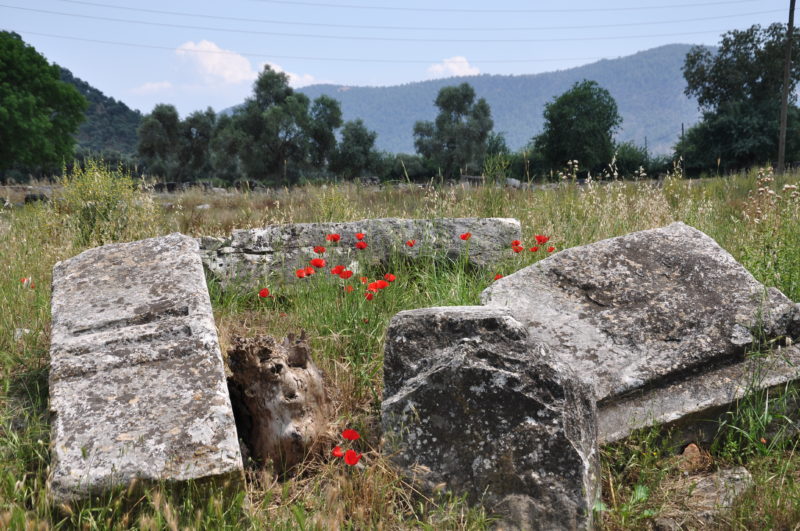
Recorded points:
347,331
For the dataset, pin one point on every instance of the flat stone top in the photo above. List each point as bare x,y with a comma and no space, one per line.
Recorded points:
632,311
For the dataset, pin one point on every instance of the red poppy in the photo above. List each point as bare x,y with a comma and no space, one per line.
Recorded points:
498,276
319,249
411,243
363,280
346,274
368,295
390,277
551,249
541,239
359,235
361,245
333,237
517,249
466,236
534,248
516,243
317,262
348,289
350,435
337,451
301,273
309,271
23,280
336,270
373,286
351,457
382,283
263,293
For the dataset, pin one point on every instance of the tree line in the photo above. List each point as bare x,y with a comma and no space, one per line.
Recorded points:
281,137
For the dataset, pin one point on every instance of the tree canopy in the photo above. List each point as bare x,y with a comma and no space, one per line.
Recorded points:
456,141
39,114
355,154
579,125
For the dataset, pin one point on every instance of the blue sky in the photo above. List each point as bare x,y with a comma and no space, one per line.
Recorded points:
196,54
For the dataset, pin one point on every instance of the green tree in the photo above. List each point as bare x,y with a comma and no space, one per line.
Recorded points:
738,88
579,125
326,115
456,141
355,154
158,144
39,114
195,134
224,148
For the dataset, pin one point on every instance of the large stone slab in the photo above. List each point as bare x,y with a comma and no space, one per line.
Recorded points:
471,404
281,249
655,320
137,386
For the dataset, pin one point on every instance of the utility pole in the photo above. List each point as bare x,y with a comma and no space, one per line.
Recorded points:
785,97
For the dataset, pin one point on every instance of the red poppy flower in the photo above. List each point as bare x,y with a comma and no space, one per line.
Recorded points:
336,270
466,236
390,277
368,295
317,262
359,235
517,249
551,249
373,286
411,243
361,245
541,239
309,271
263,293
337,451
382,283
498,276
350,435
534,248
363,280
319,249
346,274
301,273
516,243
351,457
348,289
23,280
333,237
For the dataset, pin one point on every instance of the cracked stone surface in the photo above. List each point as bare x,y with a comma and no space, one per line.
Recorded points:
137,385
472,405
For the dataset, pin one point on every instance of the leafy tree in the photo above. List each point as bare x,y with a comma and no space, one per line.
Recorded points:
38,112
195,134
224,147
738,88
456,141
158,141
579,124
630,158
326,115
355,154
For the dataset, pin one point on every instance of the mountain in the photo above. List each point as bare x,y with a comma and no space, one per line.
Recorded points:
110,125
648,87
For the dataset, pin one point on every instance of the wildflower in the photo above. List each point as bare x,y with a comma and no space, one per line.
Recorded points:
346,274
337,451
534,248
309,271
541,239
337,270
351,457
263,293
466,236
27,282
333,237
498,276
368,295
516,243
319,249
411,243
301,273
360,236
551,249
363,280
373,286
348,289
361,245
517,249
350,435
390,277
381,284
317,262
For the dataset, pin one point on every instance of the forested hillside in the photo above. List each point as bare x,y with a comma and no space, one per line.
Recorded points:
110,125
648,87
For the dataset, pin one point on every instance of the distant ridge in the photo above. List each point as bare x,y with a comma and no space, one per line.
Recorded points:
648,87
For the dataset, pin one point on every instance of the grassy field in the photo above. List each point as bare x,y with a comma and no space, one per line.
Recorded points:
754,216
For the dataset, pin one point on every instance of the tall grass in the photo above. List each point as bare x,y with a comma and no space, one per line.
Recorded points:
99,205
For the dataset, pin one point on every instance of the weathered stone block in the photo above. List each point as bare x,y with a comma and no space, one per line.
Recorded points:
137,385
471,403
280,249
658,321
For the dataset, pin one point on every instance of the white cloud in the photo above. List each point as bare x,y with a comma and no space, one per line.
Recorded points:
453,66
152,87
217,64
